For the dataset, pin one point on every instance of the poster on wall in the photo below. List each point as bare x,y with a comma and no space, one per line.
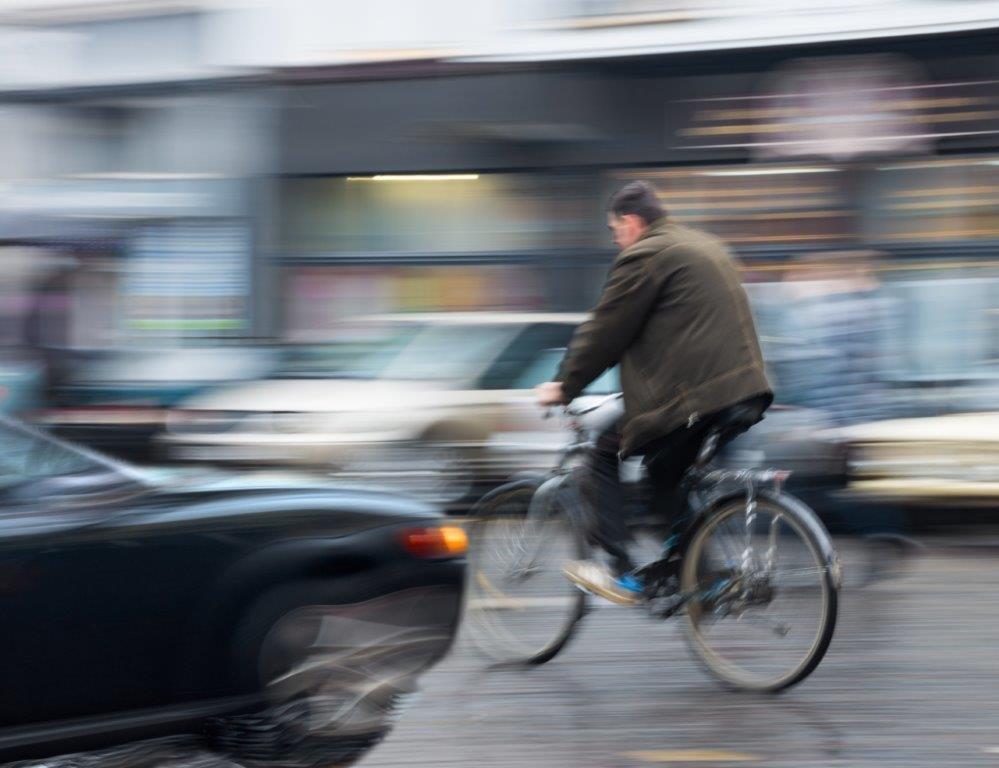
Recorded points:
320,301
187,279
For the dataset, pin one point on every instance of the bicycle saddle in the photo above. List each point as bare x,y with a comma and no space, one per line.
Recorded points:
728,424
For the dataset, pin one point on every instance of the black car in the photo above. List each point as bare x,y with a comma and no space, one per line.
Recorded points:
272,616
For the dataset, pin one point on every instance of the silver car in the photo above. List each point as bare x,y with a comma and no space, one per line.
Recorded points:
444,409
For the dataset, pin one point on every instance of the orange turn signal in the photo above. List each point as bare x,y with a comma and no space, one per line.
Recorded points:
441,541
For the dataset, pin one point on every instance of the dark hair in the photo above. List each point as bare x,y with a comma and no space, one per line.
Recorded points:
639,198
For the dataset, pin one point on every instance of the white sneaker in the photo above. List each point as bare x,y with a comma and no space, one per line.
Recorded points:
597,579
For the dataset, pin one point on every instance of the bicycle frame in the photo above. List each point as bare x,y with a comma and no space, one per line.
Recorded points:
707,489
728,559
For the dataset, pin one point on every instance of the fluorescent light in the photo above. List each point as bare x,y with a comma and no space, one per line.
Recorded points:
417,177
768,171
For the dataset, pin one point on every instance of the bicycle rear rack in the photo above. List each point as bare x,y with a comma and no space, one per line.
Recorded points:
747,477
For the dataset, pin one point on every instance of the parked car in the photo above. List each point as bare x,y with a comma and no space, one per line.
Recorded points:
950,460
116,401
423,414
281,616
447,411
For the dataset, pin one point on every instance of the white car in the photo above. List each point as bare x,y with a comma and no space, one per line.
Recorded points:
445,410
952,459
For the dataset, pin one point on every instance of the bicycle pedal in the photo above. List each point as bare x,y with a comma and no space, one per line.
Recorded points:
606,597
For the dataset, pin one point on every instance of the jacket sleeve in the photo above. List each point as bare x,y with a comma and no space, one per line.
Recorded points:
628,296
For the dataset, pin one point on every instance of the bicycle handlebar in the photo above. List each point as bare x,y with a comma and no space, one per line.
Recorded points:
569,410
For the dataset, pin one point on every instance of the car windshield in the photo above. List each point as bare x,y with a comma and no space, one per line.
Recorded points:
360,350
29,454
546,367
450,352
360,359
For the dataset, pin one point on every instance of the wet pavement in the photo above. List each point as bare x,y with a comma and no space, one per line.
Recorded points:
911,679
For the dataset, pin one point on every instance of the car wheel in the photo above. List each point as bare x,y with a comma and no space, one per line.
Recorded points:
333,672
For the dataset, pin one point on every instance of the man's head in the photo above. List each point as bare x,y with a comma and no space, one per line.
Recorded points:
630,212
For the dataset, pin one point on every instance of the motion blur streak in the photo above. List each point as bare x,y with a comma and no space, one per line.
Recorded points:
277,280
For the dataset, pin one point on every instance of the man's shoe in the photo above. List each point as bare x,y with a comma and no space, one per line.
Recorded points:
598,579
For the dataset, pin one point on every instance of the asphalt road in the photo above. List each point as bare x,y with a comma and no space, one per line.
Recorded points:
911,679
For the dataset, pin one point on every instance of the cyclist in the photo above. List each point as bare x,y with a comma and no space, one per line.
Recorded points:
675,317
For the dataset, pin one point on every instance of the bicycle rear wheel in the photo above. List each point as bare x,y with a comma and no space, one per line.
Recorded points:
763,592
520,608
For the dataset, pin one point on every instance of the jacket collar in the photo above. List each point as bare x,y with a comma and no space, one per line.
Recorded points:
657,227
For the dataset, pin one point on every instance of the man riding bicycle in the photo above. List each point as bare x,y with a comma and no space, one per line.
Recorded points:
675,317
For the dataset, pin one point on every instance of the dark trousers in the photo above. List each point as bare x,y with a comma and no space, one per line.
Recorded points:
665,462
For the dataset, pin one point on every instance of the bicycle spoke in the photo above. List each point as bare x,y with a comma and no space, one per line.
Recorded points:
778,628
770,558
730,551
519,604
763,625
818,570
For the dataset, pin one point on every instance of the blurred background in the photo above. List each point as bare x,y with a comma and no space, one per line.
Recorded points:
349,238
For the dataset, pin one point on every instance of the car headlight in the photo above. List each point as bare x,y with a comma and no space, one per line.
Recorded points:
199,421
278,423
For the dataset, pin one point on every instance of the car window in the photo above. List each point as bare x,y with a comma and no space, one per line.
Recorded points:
361,357
450,352
523,352
545,367
30,454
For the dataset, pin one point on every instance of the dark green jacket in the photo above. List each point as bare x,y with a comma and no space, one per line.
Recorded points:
675,316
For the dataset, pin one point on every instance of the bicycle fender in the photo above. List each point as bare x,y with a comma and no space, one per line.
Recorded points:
545,494
526,482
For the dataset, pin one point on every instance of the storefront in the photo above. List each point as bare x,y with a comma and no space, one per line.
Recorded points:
397,193
151,197
385,243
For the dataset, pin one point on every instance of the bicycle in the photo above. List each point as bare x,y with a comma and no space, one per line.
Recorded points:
744,545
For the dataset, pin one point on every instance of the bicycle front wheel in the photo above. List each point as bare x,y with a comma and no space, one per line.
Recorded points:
762,583
520,607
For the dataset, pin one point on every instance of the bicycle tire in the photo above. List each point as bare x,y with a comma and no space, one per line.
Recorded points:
806,524
507,505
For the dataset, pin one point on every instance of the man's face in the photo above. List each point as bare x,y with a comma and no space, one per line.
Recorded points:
627,229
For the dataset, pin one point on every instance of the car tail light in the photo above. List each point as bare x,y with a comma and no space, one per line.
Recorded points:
436,542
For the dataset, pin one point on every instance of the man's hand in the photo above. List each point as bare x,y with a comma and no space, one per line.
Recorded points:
549,394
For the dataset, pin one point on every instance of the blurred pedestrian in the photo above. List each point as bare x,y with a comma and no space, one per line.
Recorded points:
843,324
